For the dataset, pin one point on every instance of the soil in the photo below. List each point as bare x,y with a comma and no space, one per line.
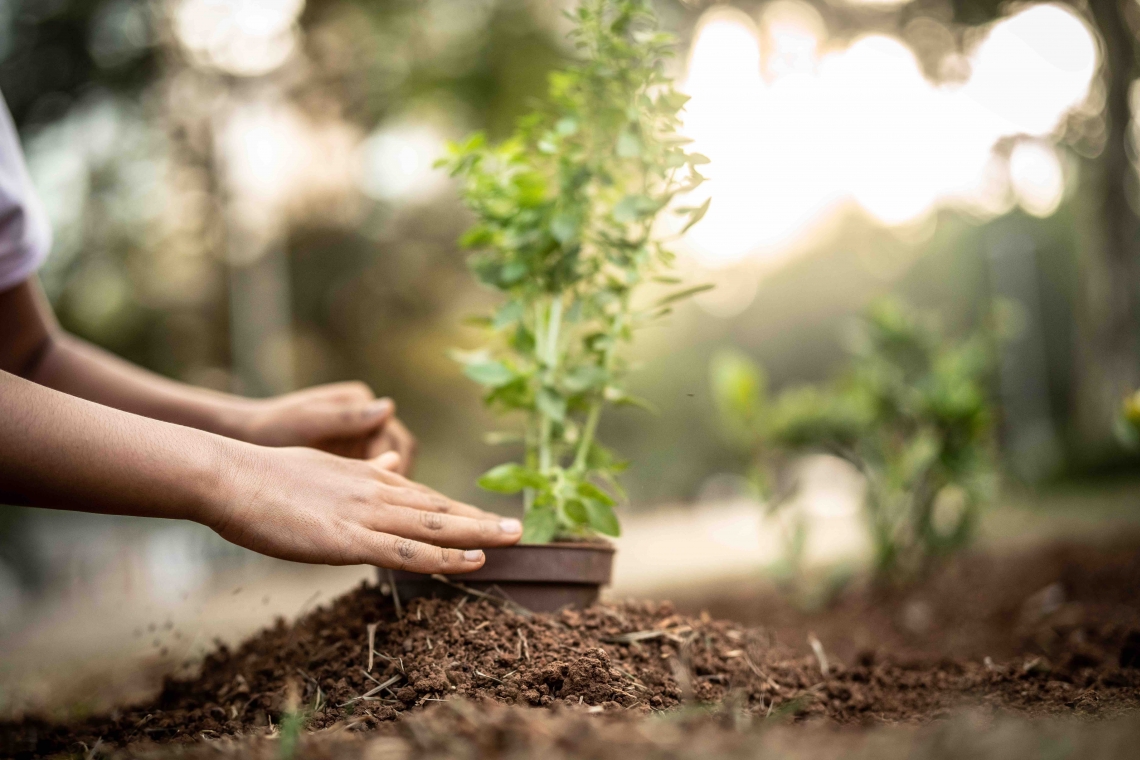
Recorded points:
1057,601
1046,652
458,730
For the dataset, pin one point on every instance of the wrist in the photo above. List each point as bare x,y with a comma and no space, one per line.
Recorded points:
235,417
227,463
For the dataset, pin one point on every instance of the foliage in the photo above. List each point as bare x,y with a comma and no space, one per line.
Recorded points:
566,211
1126,426
911,413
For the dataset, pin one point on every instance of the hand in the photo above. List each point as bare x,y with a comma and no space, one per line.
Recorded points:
342,418
309,506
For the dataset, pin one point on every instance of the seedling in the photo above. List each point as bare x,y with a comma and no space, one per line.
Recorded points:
567,211
911,414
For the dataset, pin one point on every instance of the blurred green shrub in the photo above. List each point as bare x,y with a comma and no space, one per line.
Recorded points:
911,413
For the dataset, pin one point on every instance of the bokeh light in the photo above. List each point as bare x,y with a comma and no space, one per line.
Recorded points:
796,131
240,37
395,163
1036,176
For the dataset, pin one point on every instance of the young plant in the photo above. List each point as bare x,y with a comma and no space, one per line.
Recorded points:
566,212
911,414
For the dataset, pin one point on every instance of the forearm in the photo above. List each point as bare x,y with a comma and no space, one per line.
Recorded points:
63,452
33,346
79,369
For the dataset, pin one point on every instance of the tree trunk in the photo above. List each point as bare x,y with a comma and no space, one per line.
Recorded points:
1108,349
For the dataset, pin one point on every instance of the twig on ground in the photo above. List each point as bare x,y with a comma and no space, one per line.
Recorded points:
371,643
484,675
374,691
395,595
636,636
820,655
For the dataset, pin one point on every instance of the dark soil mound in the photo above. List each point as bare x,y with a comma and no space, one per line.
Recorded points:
1065,600
630,658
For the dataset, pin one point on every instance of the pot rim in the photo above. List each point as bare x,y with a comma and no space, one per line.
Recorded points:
555,562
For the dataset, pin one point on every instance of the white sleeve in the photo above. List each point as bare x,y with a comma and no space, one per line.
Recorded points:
25,233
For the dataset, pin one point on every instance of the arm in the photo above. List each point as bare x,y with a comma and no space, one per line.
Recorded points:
293,503
343,418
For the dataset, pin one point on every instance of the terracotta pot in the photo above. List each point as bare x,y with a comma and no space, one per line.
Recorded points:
539,577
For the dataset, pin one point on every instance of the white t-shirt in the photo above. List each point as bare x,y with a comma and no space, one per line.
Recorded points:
25,233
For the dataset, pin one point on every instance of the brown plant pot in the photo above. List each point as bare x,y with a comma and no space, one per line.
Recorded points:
539,577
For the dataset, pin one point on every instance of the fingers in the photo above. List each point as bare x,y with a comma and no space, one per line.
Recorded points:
389,460
445,529
399,553
347,420
352,391
404,443
395,436
407,493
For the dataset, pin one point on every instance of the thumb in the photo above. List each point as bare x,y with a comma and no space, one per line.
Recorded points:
348,420
389,461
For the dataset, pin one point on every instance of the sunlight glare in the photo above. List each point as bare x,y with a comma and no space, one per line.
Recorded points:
797,130
395,163
1036,176
240,37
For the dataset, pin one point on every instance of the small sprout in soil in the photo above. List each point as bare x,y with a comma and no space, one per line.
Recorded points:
293,720
567,231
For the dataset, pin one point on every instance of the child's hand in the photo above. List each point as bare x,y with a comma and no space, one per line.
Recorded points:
308,506
342,418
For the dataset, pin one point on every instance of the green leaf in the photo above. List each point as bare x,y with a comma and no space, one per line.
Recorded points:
584,378
696,159
697,215
634,207
619,397
628,146
738,387
602,518
508,314
512,478
476,237
564,228
539,525
591,491
493,374
512,272
680,295
551,403
576,511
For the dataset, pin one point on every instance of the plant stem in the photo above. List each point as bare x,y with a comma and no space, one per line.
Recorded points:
596,406
549,354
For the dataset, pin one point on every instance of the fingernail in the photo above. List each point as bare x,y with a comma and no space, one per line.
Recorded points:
472,555
383,406
510,526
